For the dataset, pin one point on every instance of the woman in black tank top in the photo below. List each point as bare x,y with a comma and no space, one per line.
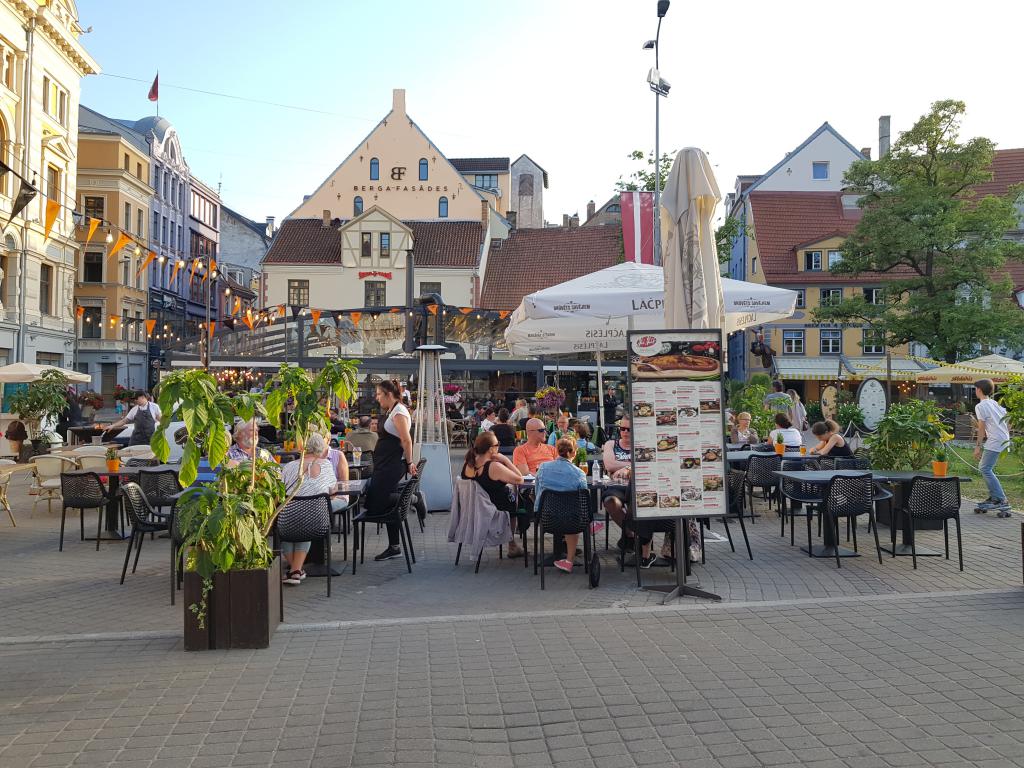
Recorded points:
831,443
492,471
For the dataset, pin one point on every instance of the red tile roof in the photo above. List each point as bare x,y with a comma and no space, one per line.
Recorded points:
436,243
1007,170
785,220
532,259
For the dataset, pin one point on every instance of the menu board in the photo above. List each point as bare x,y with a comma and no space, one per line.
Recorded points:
675,382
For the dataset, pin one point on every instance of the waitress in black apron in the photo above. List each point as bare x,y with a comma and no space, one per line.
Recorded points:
392,459
144,417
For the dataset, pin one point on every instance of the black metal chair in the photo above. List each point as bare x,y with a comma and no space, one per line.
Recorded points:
808,495
161,487
852,462
849,496
761,474
137,462
306,518
935,498
398,513
82,490
144,519
567,512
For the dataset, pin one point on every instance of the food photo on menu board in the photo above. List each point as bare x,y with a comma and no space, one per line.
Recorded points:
678,433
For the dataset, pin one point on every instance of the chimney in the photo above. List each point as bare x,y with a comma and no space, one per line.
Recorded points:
270,226
883,136
327,218
565,220
866,151
590,210
398,102
574,221
485,214
510,216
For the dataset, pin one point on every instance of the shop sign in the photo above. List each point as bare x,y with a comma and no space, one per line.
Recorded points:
375,273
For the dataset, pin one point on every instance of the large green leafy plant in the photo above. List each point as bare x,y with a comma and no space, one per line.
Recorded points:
42,399
908,436
751,399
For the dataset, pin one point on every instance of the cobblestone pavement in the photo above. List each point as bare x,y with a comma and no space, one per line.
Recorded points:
802,664
860,683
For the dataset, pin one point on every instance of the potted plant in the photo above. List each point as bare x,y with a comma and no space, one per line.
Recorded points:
41,402
113,459
941,461
780,444
91,402
232,576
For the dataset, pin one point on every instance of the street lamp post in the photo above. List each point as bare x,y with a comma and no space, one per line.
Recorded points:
660,88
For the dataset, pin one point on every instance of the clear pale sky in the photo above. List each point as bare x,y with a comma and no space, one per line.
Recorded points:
562,81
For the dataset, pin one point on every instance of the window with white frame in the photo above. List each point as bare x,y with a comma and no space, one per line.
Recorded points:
819,170
55,100
45,288
812,261
834,257
94,207
830,297
792,342
831,341
801,298
873,295
753,265
872,342
8,65
298,293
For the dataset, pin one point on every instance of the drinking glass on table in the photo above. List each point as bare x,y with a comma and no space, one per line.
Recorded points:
803,450
357,454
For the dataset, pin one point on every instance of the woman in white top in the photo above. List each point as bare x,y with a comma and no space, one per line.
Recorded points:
313,474
797,412
791,437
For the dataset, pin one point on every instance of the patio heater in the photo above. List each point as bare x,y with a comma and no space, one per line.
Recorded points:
431,430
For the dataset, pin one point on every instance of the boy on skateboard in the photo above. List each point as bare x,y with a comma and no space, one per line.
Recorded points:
993,439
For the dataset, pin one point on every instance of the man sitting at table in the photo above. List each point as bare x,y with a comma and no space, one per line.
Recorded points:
530,455
363,437
244,447
561,428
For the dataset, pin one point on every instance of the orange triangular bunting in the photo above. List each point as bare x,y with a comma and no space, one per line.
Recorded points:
150,325
121,242
93,226
356,317
316,315
52,209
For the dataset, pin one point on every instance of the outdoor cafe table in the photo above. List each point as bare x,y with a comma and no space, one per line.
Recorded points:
595,485
740,459
822,477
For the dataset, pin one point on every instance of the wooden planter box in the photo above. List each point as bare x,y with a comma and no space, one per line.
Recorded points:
243,612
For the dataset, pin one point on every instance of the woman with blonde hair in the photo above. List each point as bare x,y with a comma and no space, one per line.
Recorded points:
743,432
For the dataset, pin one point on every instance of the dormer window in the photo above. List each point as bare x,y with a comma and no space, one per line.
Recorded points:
812,261
834,257
819,170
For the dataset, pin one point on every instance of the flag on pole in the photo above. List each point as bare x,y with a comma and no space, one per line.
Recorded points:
154,90
638,226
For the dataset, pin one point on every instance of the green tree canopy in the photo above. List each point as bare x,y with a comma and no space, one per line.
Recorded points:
942,249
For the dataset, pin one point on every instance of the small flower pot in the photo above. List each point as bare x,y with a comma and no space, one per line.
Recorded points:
113,465
939,468
780,448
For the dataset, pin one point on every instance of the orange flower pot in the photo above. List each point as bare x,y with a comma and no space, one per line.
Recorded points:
939,468
780,448
113,465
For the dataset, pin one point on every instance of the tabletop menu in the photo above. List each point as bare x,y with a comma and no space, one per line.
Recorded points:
675,384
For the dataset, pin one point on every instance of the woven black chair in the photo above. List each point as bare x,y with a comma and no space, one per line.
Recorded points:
808,495
144,519
935,498
306,518
161,487
563,512
137,462
82,490
736,498
851,462
761,474
849,496
398,513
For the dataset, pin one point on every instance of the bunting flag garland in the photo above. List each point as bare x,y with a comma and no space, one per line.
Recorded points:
174,272
316,315
238,306
52,210
213,326
25,195
503,314
122,241
465,310
192,274
248,319
395,310
150,325
356,317
432,308
79,311
94,224
280,310
146,262
4,168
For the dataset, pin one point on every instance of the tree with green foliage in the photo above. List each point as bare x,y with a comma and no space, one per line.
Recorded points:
642,179
941,250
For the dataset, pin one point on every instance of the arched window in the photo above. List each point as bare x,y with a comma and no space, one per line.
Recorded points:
374,169
526,185
442,208
3,159
357,206
424,169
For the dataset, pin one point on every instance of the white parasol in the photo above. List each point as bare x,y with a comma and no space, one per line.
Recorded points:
22,373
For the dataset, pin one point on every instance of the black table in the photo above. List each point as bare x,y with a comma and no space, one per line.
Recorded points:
905,548
739,459
822,477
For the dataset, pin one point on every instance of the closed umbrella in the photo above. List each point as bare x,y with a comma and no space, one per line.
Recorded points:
693,283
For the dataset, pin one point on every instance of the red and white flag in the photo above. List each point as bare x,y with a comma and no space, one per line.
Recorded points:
154,90
638,226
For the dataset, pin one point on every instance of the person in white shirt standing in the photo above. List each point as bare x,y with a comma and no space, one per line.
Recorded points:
993,439
144,416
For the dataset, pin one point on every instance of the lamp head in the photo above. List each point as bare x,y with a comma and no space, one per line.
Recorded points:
662,8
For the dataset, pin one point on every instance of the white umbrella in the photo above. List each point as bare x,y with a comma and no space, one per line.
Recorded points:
693,284
628,289
995,367
21,373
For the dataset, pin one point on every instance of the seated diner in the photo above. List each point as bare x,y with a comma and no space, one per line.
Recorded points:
791,436
830,442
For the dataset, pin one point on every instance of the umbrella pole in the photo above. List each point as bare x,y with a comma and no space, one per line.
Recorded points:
600,395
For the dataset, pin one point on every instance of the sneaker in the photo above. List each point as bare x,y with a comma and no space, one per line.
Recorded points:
302,575
563,565
389,554
647,562
596,527
989,503
292,579
514,549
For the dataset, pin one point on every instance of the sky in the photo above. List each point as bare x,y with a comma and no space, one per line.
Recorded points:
563,81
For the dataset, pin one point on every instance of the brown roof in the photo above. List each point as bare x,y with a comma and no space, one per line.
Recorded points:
436,243
1007,170
480,164
784,221
532,259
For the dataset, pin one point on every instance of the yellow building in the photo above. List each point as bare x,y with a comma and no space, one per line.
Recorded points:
111,289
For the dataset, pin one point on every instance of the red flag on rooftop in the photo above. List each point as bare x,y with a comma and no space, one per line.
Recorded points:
154,90
638,226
